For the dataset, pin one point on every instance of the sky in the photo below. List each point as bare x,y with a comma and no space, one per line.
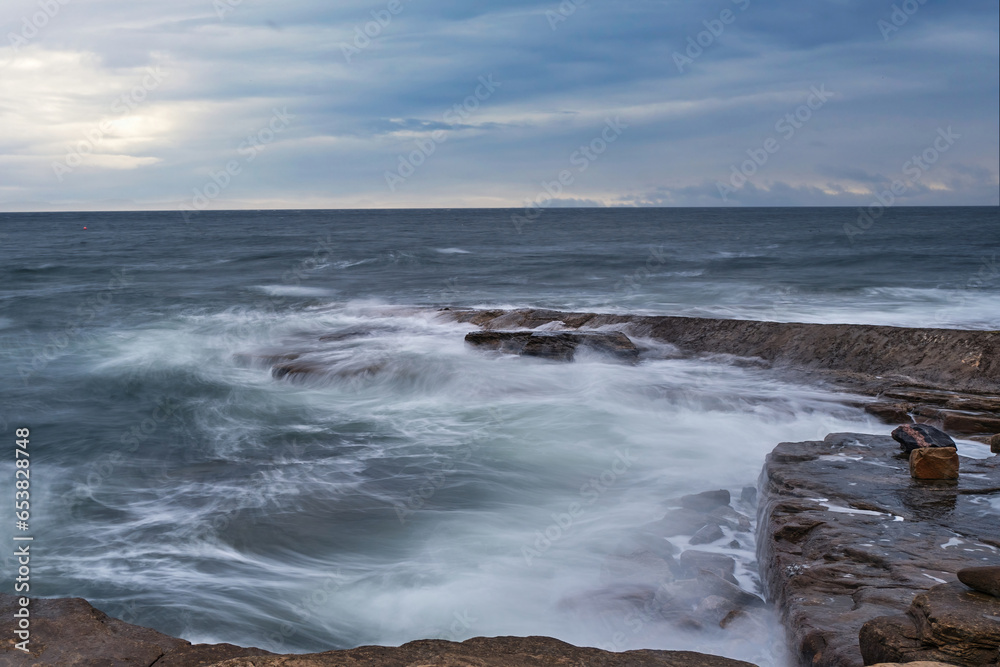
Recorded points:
235,104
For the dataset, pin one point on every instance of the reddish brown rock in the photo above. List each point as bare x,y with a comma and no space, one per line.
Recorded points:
968,422
995,444
934,463
488,652
69,632
947,623
891,413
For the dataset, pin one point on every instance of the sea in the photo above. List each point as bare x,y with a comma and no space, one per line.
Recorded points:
419,488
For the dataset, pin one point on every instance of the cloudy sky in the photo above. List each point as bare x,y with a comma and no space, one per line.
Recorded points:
117,104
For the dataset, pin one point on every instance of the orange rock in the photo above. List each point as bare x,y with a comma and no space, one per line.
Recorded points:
934,463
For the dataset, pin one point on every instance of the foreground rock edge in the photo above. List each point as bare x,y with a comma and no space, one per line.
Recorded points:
70,632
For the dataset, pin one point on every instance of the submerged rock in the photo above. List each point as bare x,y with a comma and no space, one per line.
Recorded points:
916,436
693,562
708,534
705,501
555,345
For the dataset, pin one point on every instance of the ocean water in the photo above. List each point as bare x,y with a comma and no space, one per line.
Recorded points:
417,488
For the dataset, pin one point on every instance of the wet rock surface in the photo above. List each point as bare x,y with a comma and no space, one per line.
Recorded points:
948,623
70,632
934,463
982,579
845,535
920,436
555,345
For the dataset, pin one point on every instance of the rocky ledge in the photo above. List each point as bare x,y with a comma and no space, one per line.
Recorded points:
948,378
863,561
70,632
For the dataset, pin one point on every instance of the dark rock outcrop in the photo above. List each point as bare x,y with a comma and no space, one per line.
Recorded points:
948,623
70,632
555,345
918,436
705,501
845,535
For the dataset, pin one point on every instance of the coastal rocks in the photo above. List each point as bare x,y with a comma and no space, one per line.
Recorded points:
869,358
982,579
488,652
555,345
703,593
705,501
948,623
995,444
846,536
920,436
70,632
707,534
693,562
891,413
934,463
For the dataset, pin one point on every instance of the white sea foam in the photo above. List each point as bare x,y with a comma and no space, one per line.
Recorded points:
422,471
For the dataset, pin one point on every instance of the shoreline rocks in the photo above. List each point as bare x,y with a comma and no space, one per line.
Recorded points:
877,357
555,345
846,536
69,632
